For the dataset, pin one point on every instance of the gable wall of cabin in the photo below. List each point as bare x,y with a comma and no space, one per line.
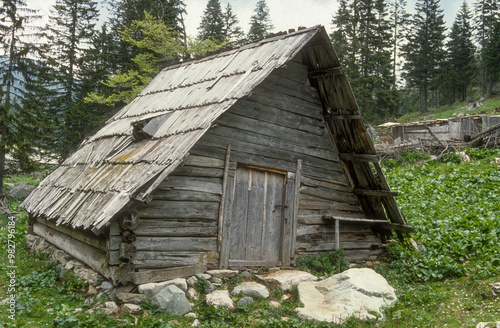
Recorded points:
280,123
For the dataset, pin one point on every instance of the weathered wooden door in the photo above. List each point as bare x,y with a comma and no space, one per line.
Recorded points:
257,218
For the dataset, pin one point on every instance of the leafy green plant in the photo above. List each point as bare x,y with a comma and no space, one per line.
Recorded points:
477,154
451,158
324,264
408,158
454,209
200,285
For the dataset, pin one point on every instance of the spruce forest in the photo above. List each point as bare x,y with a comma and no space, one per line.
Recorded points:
61,81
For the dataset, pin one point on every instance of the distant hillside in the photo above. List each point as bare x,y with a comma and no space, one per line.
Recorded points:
490,106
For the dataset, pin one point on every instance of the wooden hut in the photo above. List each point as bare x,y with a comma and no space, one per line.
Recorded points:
250,157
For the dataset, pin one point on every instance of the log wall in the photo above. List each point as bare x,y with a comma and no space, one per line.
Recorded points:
82,245
178,228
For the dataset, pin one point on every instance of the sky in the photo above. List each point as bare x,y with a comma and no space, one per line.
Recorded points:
285,14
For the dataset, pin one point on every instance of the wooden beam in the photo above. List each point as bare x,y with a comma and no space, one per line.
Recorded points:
146,276
228,212
129,221
337,234
383,223
223,199
347,219
89,255
334,71
371,192
296,200
84,236
342,116
399,227
359,157
253,263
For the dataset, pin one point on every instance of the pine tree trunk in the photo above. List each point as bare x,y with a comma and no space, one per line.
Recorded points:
2,164
422,100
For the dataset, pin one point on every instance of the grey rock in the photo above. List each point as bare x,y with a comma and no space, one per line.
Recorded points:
220,298
286,279
21,189
191,281
99,279
41,245
173,300
252,289
192,294
245,274
86,274
151,289
245,301
106,285
31,239
216,281
355,292
108,311
488,324
209,287
495,288
61,257
131,308
91,290
205,276
111,306
132,298
223,273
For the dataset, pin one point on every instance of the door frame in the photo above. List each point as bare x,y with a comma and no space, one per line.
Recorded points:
291,191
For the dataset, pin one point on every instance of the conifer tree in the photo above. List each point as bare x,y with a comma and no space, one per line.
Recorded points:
15,16
232,32
69,32
460,59
486,16
492,55
170,12
399,19
341,31
159,46
362,36
424,51
212,22
260,22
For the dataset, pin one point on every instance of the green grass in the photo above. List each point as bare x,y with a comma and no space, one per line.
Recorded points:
490,107
454,208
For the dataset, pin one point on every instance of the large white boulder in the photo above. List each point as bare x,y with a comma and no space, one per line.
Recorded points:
286,279
152,288
355,292
251,289
220,298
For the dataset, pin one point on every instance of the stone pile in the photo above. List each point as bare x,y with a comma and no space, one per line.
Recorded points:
355,292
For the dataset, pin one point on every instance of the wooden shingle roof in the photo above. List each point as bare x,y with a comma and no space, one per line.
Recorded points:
146,140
